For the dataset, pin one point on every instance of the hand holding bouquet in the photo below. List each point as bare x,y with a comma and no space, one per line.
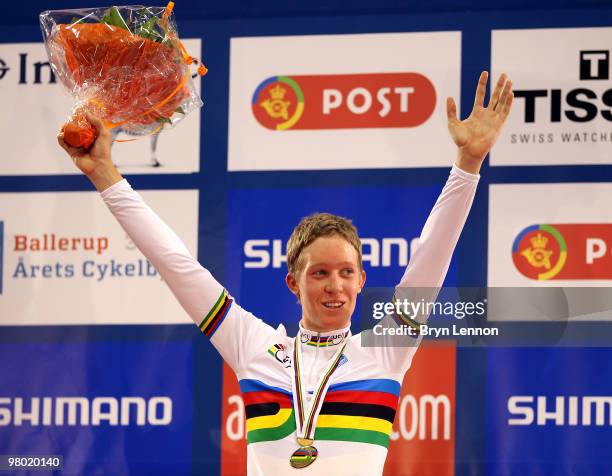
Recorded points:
125,65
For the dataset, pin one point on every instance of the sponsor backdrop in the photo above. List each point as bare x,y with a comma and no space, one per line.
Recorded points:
303,109
309,110
564,99
58,243
33,100
107,407
536,409
558,233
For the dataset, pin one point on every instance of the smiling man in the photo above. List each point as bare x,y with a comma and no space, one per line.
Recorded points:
327,406
324,263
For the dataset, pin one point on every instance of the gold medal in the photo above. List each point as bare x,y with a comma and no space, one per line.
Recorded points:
303,456
306,418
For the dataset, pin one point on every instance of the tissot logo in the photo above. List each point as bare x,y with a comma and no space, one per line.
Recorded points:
594,64
579,104
563,108
349,101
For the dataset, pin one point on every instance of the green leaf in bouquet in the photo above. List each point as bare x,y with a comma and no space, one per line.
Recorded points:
113,17
147,30
164,120
180,110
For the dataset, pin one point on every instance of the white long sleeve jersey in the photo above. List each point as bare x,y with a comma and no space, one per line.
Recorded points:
353,427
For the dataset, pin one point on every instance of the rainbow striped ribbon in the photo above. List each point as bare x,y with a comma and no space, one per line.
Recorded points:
306,423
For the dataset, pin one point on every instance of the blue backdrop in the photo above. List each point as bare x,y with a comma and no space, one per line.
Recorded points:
137,360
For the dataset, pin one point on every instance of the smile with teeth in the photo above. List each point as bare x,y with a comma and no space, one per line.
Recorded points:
333,304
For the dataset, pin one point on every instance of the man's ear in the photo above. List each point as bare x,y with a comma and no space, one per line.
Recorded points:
363,280
292,284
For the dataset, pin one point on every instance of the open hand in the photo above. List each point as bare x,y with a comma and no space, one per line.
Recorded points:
476,135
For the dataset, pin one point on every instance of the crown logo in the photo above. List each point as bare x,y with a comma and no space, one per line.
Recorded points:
537,255
277,92
539,241
275,105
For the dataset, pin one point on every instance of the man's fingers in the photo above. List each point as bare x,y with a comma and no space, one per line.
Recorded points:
451,110
93,119
62,143
507,101
481,89
72,151
97,123
504,96
498,91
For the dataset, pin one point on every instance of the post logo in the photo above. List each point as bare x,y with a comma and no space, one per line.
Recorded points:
539,252
278,103
564,251
348,101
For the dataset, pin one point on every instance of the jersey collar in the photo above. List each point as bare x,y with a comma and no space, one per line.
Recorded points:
324,339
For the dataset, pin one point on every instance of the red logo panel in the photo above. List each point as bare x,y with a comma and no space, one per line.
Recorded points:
564,251
423,437
348,101
233,431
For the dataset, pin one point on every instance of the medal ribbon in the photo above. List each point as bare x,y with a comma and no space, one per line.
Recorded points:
306,424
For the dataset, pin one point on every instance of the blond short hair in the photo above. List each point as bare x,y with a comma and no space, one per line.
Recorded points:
314,226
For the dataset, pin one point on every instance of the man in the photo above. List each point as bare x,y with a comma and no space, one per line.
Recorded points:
319,403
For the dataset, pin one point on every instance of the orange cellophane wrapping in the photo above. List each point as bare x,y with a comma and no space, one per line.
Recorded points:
122,77
78,132
135,78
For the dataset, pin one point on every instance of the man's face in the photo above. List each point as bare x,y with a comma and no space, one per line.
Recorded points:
327,283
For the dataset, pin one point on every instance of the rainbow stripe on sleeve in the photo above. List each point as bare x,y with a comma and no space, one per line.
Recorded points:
216,314
407,320
358,411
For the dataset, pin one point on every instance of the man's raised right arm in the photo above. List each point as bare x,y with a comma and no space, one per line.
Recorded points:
202,297
194,287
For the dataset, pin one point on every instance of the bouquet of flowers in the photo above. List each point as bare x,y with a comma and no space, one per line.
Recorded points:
123,64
